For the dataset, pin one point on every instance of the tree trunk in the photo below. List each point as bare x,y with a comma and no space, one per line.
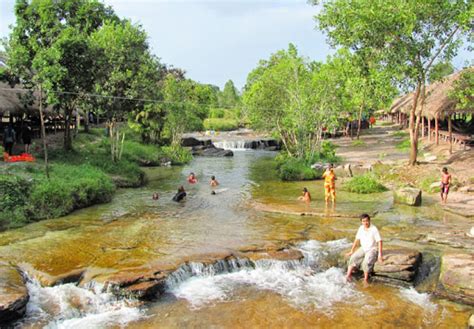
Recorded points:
86,122
67,131
429,130
413,127
359,121
43,132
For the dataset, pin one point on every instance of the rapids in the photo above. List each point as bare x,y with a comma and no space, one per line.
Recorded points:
134,230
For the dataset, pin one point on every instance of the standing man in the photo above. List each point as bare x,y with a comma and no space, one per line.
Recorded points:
369,237
329,184
9,137
445,183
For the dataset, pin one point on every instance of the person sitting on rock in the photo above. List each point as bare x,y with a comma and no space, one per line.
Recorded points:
369,237
306,197
180,195
213,181
445,183
192,178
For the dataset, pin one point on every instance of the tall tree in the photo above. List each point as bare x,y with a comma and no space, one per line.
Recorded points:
440,70
407,35
49,46
229,97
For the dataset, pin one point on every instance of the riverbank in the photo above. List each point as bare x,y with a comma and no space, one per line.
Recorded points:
79,178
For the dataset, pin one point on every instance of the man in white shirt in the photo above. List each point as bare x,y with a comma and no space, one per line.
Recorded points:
369,238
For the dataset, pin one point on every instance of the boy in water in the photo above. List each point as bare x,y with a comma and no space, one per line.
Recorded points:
180,195
306,197
445,183
213,181
192,178
329,184
369,237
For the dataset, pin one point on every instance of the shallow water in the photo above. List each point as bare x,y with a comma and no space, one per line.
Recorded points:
134,230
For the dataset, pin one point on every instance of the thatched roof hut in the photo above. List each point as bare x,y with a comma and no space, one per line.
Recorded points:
437,102
10,103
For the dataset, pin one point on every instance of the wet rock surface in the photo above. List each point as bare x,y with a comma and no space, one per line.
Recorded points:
456,280
210,151
408,195
400,266
13,294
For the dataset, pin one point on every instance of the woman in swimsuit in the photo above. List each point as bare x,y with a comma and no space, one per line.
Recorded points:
445,183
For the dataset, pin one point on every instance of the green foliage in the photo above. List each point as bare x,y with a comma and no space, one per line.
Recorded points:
463,90
426,182
292,169
229,97
364,184
176,154
14,191
439,71
216,113
221,124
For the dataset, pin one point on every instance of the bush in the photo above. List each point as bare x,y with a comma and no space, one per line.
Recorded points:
364,184
294,169
14,192
221,124
177,155
216,113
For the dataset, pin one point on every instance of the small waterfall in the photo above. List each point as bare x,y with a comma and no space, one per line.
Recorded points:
238,145
302,282
70,306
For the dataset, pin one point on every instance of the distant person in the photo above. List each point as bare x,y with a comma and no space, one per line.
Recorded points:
155,196
213,181
329,184
192,178
9,138
445,183
180,195
370,241
306,197
26,135
372,121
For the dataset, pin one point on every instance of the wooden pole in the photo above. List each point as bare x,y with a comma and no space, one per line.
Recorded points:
43,131
436,130
450,131
422,127
429,130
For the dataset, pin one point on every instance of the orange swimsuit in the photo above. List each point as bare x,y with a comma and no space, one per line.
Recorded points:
329,185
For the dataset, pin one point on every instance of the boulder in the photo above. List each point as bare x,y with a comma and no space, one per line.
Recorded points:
456,279
408,195
467,189
211,151
13,294
190,142
342,171
400,266
357,170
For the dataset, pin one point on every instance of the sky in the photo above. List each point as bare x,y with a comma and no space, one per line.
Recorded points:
218,40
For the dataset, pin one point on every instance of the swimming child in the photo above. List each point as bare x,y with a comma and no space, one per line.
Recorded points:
330,184
445,183
306,197
192,178
213,181
155,196
180,195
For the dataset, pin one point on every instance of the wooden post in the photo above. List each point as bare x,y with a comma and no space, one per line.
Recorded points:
436,130
422,127
450,131
429,130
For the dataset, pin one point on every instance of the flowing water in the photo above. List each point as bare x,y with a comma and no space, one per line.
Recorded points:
133,231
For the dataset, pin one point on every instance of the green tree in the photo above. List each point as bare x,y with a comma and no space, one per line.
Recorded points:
229,97
49,47
463,90
406,35
440,70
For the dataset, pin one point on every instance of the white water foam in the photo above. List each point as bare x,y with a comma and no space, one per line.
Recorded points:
69,306
232,145
420,299
294,280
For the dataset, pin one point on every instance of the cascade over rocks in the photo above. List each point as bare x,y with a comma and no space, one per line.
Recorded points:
407,195
13,294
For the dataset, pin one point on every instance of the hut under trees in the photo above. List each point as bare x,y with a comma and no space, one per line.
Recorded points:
440,116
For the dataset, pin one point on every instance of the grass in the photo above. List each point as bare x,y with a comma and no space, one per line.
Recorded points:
364,184
358,143
400,134
404,145
78,178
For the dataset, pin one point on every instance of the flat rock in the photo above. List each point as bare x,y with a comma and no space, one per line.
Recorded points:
399,264
456,279
13,294
408,195
211,151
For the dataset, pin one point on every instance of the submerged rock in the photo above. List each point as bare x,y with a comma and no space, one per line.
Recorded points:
408,195
13,294
456,280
